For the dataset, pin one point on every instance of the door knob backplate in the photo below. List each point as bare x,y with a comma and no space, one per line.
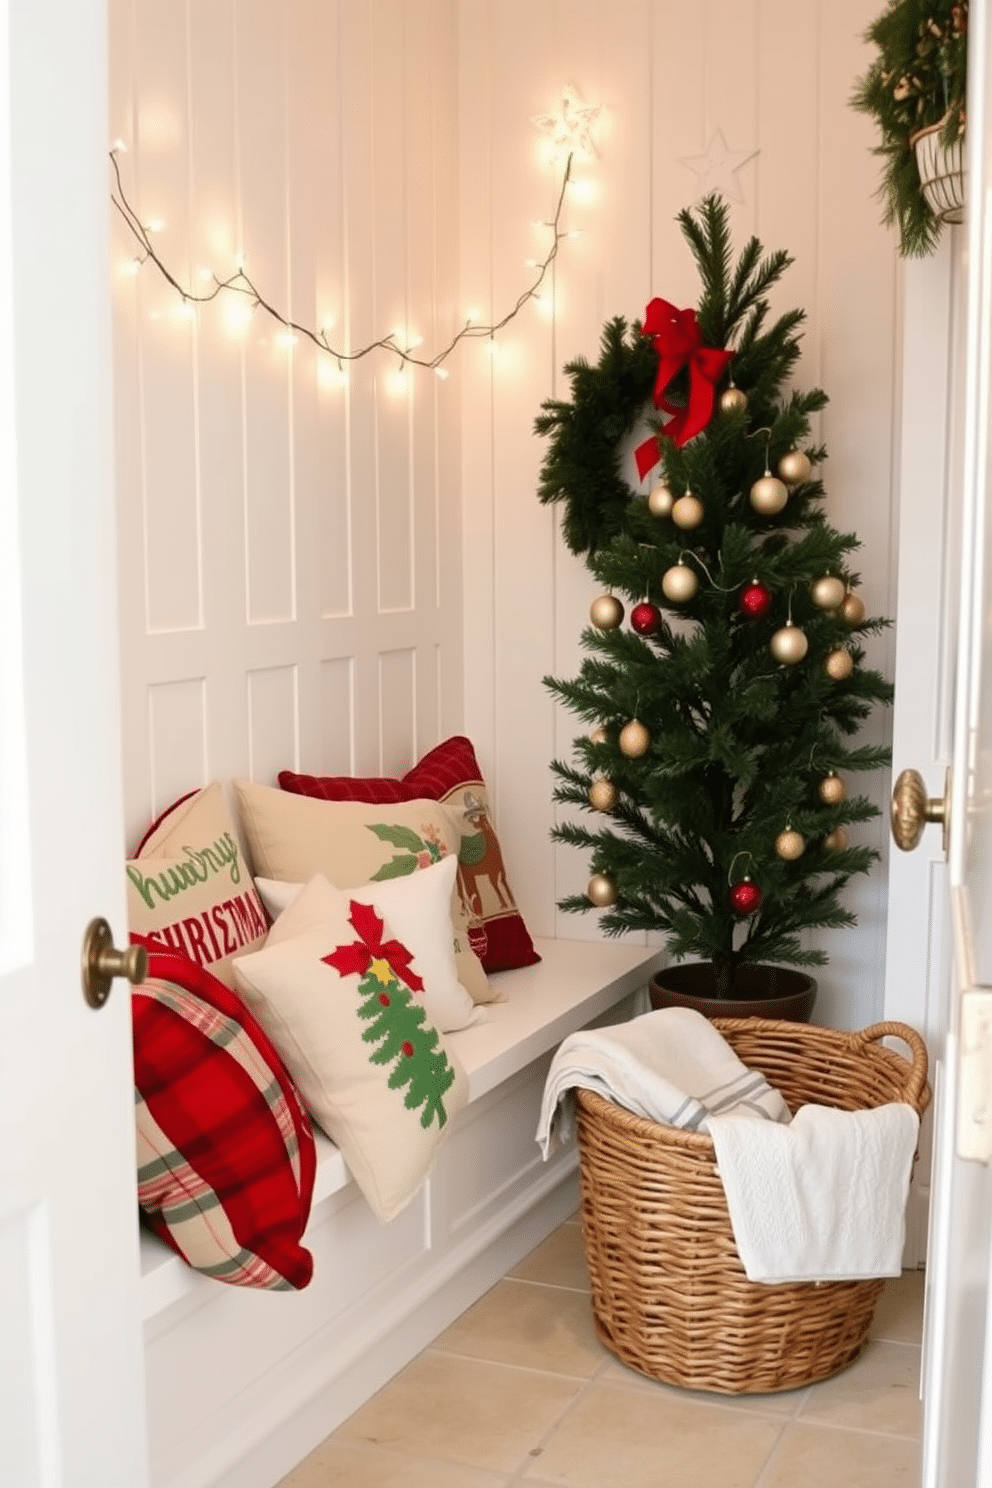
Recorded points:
102,962
911,808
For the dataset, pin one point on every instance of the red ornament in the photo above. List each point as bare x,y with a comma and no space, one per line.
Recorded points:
645,618
745,897
755,599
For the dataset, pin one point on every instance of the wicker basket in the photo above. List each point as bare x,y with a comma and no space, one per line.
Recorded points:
942,172
670,1295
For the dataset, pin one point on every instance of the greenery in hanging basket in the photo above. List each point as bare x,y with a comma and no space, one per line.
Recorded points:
917,80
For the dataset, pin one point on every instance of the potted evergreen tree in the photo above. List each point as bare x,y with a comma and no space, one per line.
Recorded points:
915,89
724,681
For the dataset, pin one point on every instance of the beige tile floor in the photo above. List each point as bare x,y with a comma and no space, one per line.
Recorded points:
520,1391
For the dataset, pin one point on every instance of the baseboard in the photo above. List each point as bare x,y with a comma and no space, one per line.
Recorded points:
271,1444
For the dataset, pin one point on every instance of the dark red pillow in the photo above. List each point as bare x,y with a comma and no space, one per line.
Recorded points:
449,773
226,1156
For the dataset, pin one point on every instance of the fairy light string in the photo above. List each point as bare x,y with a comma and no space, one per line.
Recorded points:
241,283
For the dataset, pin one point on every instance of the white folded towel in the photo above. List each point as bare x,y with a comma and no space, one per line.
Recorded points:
822,1199
670,1065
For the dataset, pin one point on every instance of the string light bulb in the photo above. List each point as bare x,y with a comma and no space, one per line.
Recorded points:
239,282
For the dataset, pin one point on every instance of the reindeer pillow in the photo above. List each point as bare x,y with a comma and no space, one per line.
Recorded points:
449,773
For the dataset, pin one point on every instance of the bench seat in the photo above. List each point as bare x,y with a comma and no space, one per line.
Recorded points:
242,1384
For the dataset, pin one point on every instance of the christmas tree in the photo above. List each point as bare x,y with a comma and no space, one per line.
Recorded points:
723,721
397,1026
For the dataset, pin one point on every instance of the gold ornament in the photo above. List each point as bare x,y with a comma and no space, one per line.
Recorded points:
600,734
794,467
603,795
789,645
732,400
606,612
679,584
827,593
660,500
688,511
853,610
839,664
635,739
602,890
836,841
768,495
789,845
832,790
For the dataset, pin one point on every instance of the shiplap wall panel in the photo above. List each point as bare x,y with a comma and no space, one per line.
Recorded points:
128,441
606,272
173,575
361,326
311,125
476,227
774,81
223,329
524,186
262,80
291,535
860,370
273,737
397,708
393,166
177,733
384,549
336,704
322,119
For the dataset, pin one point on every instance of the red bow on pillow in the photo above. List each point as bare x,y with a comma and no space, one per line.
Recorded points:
677,340
370,947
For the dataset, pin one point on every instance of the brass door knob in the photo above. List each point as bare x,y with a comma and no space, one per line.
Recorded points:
102,962
911,808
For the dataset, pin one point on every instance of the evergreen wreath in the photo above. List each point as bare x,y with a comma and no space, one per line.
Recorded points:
582,465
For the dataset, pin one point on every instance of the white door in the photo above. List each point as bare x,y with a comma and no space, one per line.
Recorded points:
71,1393
958,1335
917,954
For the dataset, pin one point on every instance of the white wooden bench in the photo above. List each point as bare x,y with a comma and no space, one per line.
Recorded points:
243,1384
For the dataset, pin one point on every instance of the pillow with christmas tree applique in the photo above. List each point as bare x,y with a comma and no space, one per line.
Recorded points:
340,999
188,889
291,837
449,773
225,1151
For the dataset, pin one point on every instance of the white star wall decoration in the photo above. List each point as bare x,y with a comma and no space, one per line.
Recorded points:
718,168
570,129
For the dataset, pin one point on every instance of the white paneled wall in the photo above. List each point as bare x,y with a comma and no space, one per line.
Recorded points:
291,591
333,575
769,79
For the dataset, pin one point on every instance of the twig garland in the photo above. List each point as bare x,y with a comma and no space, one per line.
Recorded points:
240,283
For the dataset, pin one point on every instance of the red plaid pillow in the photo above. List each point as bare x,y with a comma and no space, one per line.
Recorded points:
449,773
226,1156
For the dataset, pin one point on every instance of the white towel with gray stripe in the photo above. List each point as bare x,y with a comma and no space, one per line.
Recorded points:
671,1066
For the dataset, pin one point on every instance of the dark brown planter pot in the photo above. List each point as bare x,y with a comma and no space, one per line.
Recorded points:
761,992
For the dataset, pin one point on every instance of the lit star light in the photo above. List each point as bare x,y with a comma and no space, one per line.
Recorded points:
718,168
570,129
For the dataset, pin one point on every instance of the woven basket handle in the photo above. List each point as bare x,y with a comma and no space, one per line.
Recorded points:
917,1077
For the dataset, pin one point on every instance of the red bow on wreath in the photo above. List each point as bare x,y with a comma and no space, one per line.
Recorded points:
676,338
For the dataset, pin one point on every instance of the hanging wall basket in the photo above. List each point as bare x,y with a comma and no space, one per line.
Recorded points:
942,172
